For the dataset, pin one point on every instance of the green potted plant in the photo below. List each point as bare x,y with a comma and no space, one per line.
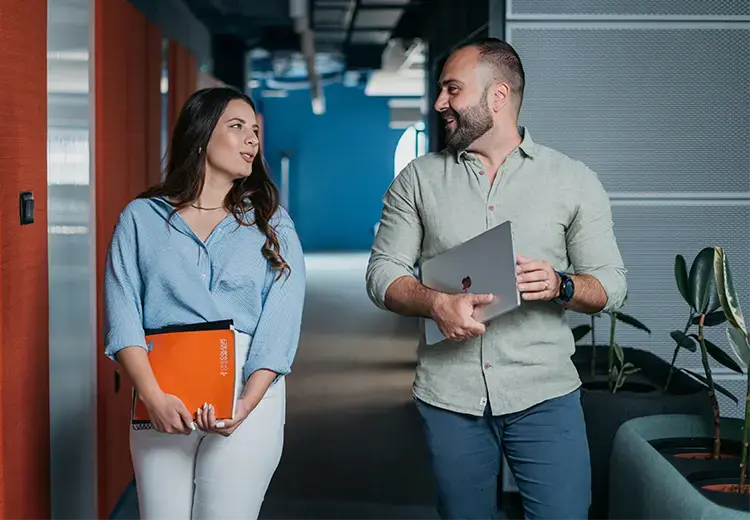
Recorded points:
737,337
681,338
617,368
699,289
684,465
625,383
654,387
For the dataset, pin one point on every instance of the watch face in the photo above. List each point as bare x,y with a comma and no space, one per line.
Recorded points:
568,288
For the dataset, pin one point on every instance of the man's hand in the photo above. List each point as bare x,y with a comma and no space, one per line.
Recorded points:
453,315
537,280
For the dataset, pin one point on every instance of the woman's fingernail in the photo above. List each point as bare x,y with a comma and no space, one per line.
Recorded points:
205,406
192,425
199,411
220,424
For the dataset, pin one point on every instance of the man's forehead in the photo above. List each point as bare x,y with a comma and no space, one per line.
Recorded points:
460,66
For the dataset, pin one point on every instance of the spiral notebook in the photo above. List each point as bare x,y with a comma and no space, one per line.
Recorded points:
198,364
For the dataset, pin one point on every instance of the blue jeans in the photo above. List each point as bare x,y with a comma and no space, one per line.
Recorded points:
546,448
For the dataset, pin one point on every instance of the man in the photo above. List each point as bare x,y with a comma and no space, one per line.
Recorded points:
508,384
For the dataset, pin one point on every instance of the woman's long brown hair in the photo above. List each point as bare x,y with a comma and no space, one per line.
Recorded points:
186,170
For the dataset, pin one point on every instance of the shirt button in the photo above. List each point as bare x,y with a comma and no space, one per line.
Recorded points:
483,401
481,172
492,208
203,276
487,366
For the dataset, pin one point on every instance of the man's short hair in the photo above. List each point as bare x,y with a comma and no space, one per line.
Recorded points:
503,61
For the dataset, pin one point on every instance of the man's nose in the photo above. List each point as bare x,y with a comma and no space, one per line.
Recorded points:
441,103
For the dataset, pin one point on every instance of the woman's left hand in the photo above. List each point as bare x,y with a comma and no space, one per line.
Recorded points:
207,420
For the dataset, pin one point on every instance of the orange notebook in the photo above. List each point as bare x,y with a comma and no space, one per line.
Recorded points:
196,363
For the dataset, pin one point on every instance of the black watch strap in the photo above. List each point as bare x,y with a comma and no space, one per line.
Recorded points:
567,288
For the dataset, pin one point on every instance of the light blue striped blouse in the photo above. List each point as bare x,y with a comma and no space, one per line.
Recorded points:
159,274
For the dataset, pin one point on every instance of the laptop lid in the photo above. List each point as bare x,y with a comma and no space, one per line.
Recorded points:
485,264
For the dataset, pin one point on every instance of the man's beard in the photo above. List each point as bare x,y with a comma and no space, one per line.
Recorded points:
470,124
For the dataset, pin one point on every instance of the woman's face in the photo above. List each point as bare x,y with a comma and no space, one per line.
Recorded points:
234,142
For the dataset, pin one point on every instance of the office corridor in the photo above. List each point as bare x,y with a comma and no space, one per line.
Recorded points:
353,445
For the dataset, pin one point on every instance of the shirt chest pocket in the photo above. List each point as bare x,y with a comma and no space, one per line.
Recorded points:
541,240
236,282
446,228
246,283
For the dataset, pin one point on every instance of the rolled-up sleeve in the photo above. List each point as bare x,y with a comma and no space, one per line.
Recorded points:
397,243
276,337
123,307
592,247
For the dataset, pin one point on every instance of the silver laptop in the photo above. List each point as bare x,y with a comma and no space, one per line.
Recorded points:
486,264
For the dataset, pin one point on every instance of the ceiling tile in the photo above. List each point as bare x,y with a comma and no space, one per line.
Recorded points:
377,18
371,37
330,36
329,17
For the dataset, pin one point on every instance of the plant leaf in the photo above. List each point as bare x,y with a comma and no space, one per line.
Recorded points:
730,302
619,353
683,340
632,370
713,302
681,277
701,279
740,345
712,319
717,386
721,356
580,332
620,380
632,322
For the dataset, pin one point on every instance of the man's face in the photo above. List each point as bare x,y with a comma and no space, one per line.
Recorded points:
462,101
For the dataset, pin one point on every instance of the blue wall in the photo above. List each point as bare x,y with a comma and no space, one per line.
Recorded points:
341,163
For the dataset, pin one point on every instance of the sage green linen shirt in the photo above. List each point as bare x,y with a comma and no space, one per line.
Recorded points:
560,213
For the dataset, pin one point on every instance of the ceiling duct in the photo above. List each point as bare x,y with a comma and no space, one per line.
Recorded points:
298,10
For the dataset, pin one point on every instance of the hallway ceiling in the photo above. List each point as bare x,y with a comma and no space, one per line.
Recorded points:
356,31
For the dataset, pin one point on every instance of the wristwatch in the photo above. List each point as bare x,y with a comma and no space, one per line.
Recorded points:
567,288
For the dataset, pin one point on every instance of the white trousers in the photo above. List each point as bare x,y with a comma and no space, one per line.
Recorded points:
209,476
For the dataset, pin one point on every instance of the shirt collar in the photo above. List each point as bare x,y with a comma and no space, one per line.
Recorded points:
527,146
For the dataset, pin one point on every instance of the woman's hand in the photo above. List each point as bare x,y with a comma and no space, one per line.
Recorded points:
168,414
208,423
255,388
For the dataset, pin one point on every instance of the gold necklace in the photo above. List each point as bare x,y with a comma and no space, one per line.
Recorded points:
206,209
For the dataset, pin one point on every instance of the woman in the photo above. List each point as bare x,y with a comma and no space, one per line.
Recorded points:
209,243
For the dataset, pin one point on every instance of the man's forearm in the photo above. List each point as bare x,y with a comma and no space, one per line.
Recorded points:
589,296
408,297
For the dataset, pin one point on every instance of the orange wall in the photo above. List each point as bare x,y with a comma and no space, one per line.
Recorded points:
24,300
127,70
183,81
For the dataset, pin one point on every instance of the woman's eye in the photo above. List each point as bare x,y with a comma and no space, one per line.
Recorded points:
237,125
